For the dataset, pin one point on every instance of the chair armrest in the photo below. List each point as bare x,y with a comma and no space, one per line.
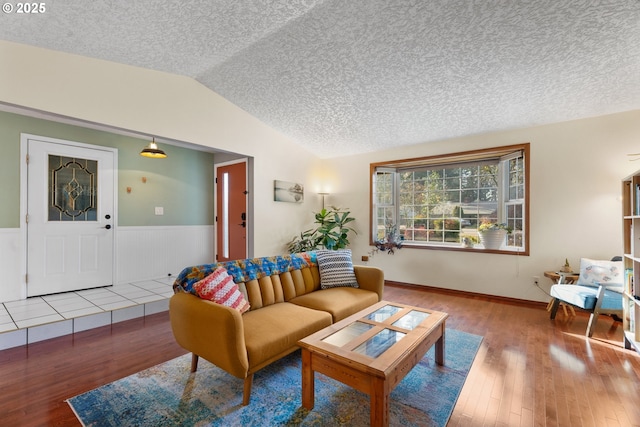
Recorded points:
212,331
370,278
617,289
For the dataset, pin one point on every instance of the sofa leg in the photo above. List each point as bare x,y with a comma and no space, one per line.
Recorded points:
248,382
194,362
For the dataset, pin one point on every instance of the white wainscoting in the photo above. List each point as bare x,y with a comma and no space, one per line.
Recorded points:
11,253
153,252
142,253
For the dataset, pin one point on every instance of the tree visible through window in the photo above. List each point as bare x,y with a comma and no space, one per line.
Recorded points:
437,201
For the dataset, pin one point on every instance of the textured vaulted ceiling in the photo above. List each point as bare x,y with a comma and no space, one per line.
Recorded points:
351,76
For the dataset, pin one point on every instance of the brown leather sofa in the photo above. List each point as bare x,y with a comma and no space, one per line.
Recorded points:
285,308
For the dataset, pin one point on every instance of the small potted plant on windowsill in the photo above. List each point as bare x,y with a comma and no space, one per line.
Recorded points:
391,241
492,234
468,241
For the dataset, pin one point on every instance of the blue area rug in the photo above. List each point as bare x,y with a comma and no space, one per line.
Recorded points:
167,395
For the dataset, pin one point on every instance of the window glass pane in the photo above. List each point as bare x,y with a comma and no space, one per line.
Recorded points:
452,197
516,178
384,202
406,187
513,192
469,182
469,196
446,212
436,173
421,175
487,195
452,183
435,184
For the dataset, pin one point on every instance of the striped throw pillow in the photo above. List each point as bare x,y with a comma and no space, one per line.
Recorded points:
220,288
336,269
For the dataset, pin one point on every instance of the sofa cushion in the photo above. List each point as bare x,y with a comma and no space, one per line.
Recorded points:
336,269
276,329
340,302
585,296
220,288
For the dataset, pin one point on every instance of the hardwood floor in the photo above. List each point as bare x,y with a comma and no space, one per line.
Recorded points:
529,371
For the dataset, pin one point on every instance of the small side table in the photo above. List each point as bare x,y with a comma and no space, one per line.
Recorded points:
560,277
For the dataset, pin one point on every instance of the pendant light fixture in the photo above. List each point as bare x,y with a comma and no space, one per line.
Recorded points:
152,151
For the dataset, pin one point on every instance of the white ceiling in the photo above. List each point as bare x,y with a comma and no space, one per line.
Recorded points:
351,76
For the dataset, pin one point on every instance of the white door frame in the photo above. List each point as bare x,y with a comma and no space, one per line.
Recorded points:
249,233
24,138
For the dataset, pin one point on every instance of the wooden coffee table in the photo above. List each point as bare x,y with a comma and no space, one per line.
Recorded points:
372,351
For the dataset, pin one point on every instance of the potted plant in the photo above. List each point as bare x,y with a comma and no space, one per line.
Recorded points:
468,241
566,268
492,234
331,233
392,240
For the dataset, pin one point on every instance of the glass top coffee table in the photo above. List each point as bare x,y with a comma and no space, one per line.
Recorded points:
372,351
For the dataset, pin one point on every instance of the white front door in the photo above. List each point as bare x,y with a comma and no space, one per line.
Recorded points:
70,216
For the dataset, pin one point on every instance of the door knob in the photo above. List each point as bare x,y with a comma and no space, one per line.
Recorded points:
108,226
244,224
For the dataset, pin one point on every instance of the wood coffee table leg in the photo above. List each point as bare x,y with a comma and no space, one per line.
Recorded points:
379,403
308,387
440,349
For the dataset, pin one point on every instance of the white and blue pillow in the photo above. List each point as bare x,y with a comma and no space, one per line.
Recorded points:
600,272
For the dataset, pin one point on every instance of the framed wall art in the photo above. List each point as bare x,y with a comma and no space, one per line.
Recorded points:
290,192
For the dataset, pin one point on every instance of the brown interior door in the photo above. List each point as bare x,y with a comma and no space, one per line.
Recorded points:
231,212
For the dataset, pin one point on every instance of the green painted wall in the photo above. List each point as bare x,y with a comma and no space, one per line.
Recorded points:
182,184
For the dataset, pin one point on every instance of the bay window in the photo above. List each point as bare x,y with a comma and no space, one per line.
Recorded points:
436,202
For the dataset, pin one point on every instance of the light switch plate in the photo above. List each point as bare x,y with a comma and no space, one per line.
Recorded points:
159,210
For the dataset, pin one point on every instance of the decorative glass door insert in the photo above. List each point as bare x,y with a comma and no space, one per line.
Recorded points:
72,189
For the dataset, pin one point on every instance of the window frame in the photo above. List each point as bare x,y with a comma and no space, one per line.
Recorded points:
503,153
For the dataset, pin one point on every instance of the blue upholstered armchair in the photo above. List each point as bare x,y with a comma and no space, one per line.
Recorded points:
598,290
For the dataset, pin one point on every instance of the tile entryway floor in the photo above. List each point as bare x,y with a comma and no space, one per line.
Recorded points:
38,318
